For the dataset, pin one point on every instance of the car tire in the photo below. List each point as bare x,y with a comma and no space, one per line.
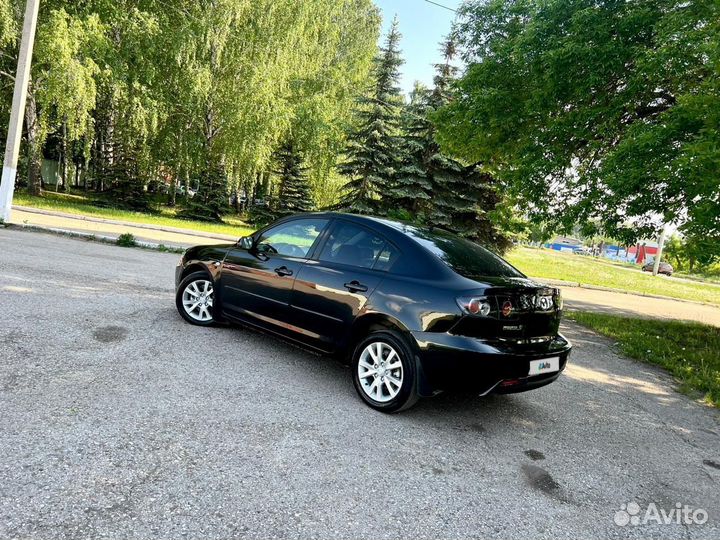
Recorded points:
196,286
379,362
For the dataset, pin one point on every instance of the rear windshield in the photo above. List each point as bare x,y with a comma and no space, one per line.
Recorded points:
465,257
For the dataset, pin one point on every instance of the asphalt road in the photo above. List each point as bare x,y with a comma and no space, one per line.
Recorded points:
632,305
119,420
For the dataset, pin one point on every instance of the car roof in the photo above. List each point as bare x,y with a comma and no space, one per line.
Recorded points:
379,223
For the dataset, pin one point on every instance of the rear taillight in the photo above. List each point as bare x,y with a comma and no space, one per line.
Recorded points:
475,305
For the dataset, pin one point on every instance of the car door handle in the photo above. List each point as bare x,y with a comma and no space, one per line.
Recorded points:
355,286
283,271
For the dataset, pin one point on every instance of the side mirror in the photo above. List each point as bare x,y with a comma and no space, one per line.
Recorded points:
246,242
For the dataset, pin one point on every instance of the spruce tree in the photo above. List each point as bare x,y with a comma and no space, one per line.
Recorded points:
123,179
435,188
211,200
372,159
411,189
295,194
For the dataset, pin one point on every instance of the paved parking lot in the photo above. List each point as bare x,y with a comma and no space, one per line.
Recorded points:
119,420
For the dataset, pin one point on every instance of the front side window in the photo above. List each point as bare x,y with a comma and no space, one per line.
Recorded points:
291,239
356,246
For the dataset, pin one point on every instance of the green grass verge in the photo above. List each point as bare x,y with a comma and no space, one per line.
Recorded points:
712,275
550,264
164,216
689,351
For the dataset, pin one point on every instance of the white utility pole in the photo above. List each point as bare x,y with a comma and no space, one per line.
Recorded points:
12,147
661,241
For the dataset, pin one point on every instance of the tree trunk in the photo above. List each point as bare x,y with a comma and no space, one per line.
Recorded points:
34,146
172,196
63,162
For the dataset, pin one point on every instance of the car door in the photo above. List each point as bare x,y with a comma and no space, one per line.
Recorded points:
333,286
257,282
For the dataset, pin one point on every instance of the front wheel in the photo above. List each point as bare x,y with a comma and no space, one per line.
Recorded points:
195,298
384,373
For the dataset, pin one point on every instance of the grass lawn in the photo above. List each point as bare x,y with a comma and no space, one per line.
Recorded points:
542,263
163,215
689,351
711,275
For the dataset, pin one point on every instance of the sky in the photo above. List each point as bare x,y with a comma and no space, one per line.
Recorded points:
423,26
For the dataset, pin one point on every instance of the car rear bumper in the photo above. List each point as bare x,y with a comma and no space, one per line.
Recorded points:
448,361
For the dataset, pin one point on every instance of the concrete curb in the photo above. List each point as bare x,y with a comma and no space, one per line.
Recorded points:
561,283
177,230
96,237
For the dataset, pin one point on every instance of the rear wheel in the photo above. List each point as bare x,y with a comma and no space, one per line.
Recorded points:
195,298
384,373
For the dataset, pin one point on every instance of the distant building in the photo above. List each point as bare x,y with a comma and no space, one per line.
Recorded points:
564,243
642,251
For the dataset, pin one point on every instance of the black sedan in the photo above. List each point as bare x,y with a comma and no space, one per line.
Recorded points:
414,310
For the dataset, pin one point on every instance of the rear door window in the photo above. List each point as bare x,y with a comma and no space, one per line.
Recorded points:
353,245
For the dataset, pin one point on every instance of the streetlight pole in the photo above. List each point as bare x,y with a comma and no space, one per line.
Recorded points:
22,76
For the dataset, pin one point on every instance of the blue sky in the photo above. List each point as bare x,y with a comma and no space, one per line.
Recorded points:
422,25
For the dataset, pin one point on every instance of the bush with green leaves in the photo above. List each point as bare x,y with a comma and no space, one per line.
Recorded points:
126,240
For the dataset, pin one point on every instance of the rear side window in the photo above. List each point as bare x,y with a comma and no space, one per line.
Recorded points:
465,257
357,246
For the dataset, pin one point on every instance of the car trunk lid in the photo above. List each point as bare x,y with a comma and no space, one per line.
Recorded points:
521,311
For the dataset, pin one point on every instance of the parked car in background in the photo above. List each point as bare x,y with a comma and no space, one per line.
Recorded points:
413,310
180,190
664,268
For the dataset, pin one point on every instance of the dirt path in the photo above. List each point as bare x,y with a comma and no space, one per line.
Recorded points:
107,227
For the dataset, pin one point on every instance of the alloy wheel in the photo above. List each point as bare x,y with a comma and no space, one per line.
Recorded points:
380,371
197,300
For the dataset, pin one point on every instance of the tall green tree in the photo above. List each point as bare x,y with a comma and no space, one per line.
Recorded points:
372,159
294,193
197,93
249,72
62,88
590,110
410,193
432,186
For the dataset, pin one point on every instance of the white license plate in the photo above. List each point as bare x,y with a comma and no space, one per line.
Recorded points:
546,365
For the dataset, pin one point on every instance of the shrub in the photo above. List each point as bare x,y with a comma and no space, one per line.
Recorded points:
126,240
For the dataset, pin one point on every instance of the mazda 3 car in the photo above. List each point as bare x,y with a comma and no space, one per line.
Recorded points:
414,310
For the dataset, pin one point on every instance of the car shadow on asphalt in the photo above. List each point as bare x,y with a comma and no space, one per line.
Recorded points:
336,377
